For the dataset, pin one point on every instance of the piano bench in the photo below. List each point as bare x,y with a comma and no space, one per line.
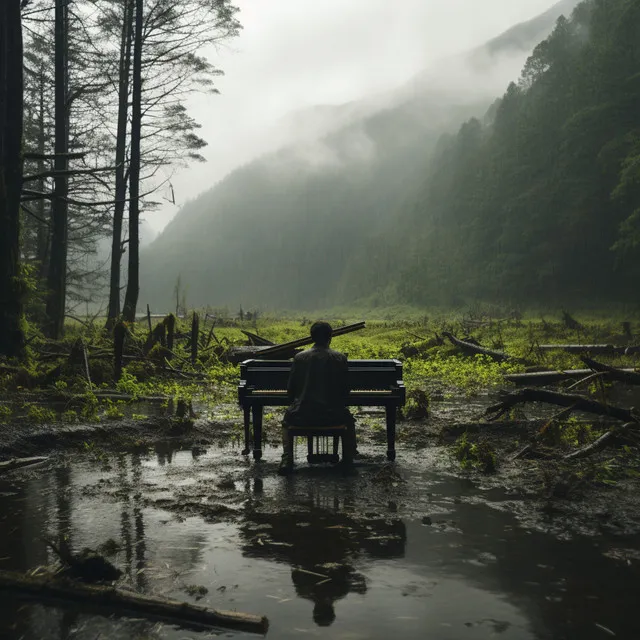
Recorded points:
319,456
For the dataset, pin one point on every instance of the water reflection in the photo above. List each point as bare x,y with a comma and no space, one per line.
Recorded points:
322,543
306,551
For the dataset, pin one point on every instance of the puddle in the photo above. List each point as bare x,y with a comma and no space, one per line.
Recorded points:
369,556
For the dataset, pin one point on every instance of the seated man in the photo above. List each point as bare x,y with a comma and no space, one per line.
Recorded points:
318,390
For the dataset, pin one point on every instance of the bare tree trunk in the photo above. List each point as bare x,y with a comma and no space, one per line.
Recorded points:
43,234
121,173
11,104
133,282
57,280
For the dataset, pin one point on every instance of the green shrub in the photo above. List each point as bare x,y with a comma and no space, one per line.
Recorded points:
480,455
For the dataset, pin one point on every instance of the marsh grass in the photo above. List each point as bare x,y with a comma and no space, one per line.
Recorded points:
431,366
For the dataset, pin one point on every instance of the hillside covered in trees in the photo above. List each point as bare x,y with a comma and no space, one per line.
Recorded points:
345,217
531,201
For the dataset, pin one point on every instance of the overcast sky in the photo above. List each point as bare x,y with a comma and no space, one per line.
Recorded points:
293,54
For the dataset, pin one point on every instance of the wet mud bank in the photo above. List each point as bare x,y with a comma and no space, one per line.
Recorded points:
542,492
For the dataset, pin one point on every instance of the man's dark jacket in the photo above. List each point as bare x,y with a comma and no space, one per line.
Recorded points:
318,389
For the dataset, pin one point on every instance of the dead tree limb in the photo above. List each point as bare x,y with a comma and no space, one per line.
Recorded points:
602,442
549,377
579,403
472,349
593,376
628,376
127,603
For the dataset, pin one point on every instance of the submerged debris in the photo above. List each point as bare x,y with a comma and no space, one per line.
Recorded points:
88,565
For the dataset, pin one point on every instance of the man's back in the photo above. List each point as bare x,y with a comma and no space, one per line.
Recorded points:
318,388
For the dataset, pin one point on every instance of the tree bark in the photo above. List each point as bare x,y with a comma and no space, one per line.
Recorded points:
43,234
133,281
113,310
57,279
12,341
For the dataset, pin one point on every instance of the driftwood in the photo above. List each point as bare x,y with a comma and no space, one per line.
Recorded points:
127,603
578,403
473,349
628,376
18,463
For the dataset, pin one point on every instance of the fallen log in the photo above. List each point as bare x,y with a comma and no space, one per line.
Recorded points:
18,463
628,376
579,403
282,351
277,350
127,603
605,349
543,378
546,377
473,349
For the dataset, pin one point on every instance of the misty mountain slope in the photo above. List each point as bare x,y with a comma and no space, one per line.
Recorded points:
309,226
521,37
539,204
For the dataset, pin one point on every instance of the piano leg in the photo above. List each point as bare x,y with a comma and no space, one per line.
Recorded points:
391,432
247,431
257,433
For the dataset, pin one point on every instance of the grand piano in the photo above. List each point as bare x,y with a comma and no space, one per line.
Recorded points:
372,383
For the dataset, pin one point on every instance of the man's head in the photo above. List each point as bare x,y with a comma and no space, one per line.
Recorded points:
321,333
323,613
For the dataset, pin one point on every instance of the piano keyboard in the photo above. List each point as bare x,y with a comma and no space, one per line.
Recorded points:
358,391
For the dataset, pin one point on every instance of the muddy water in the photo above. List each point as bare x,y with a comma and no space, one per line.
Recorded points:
373,555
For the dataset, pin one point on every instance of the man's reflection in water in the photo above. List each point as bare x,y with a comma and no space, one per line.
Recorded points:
322,545
164,453
323,592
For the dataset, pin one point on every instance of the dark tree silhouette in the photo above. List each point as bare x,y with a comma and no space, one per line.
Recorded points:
11,104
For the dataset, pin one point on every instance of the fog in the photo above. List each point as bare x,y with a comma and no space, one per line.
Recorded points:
294,56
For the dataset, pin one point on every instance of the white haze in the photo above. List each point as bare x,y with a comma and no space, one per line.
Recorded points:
295,59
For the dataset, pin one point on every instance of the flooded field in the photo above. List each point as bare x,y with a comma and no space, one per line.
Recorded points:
385,551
